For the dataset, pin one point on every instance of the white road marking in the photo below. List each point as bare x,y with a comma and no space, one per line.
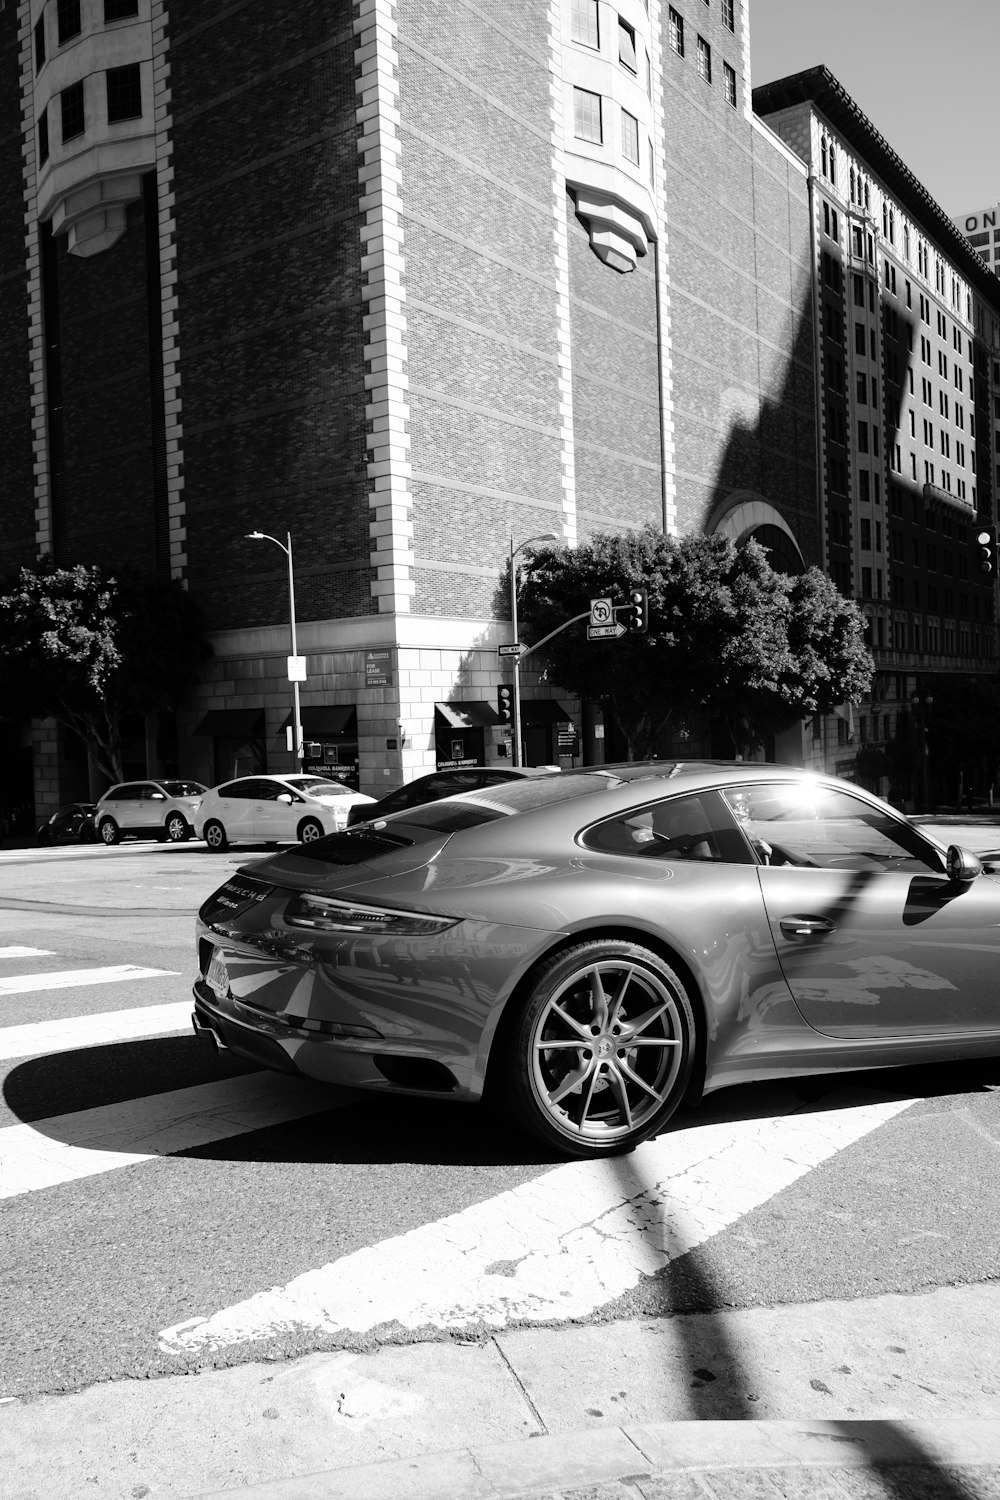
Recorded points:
38,1038
14,951
556,1248
64,979
66,1148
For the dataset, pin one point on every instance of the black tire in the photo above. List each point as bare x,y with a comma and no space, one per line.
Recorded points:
311,829
177,829
215,835
566,1072
109,831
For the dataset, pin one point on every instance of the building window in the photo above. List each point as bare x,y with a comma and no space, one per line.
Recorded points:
40,43
630,137
120,10
584,26
729,76
67,20
729,14
71,100
124,93
676,23
704,59
587,116
626,46
43,137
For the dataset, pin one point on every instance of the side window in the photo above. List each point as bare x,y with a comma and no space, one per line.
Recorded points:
699,826
802,824
126,793
240,791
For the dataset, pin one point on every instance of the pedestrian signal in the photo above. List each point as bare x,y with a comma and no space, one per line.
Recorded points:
638,611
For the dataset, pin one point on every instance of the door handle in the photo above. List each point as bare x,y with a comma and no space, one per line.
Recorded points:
806,926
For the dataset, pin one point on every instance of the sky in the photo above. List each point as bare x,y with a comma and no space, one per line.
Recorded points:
925,72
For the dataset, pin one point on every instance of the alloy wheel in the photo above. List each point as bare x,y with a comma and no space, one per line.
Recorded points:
607,1048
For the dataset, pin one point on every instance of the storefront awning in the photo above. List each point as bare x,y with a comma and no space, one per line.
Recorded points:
544,711
325,719
466,715
232,723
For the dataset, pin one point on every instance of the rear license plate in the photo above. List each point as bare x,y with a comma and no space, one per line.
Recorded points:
218,975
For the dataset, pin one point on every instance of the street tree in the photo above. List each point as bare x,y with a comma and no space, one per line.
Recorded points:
89,646
729,636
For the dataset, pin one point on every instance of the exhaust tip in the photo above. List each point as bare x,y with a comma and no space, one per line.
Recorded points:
207,1033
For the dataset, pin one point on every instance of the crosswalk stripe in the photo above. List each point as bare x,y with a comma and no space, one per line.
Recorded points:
558,1247
66,1148
15,951
62,979
38,1038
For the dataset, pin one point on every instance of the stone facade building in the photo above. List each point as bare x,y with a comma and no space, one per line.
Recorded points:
907,325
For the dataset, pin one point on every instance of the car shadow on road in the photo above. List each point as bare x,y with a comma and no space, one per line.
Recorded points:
50,1091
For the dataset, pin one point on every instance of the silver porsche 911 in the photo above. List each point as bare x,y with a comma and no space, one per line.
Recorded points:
591,947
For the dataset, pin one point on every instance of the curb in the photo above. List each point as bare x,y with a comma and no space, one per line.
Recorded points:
735,1453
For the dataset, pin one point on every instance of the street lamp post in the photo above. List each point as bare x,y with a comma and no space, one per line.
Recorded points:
296,672
546,536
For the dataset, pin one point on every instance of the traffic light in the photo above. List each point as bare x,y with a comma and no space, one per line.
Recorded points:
637,618
505,703
986,546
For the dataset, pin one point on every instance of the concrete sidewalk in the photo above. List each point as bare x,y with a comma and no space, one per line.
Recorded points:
894,1395
688,1461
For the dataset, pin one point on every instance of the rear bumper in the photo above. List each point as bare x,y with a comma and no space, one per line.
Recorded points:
383,1066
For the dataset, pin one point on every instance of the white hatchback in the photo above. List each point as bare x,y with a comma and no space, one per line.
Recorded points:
272,808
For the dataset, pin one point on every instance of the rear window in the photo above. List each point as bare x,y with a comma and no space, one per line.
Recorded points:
351,848
542,791
316,785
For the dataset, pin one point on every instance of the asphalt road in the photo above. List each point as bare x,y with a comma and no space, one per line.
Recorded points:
155,1234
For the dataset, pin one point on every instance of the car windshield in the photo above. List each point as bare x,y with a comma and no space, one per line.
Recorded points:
183,788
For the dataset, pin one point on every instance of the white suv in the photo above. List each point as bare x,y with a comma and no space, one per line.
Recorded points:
149,810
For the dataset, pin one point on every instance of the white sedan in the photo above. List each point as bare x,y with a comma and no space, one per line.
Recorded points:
272,808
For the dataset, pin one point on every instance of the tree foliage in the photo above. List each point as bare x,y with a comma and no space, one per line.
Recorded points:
729,636
89,646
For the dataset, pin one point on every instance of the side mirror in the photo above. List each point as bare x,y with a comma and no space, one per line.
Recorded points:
286,798
962,866
157,797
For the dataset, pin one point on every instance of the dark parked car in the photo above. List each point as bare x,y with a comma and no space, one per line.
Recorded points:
438,784
591,948
70,824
